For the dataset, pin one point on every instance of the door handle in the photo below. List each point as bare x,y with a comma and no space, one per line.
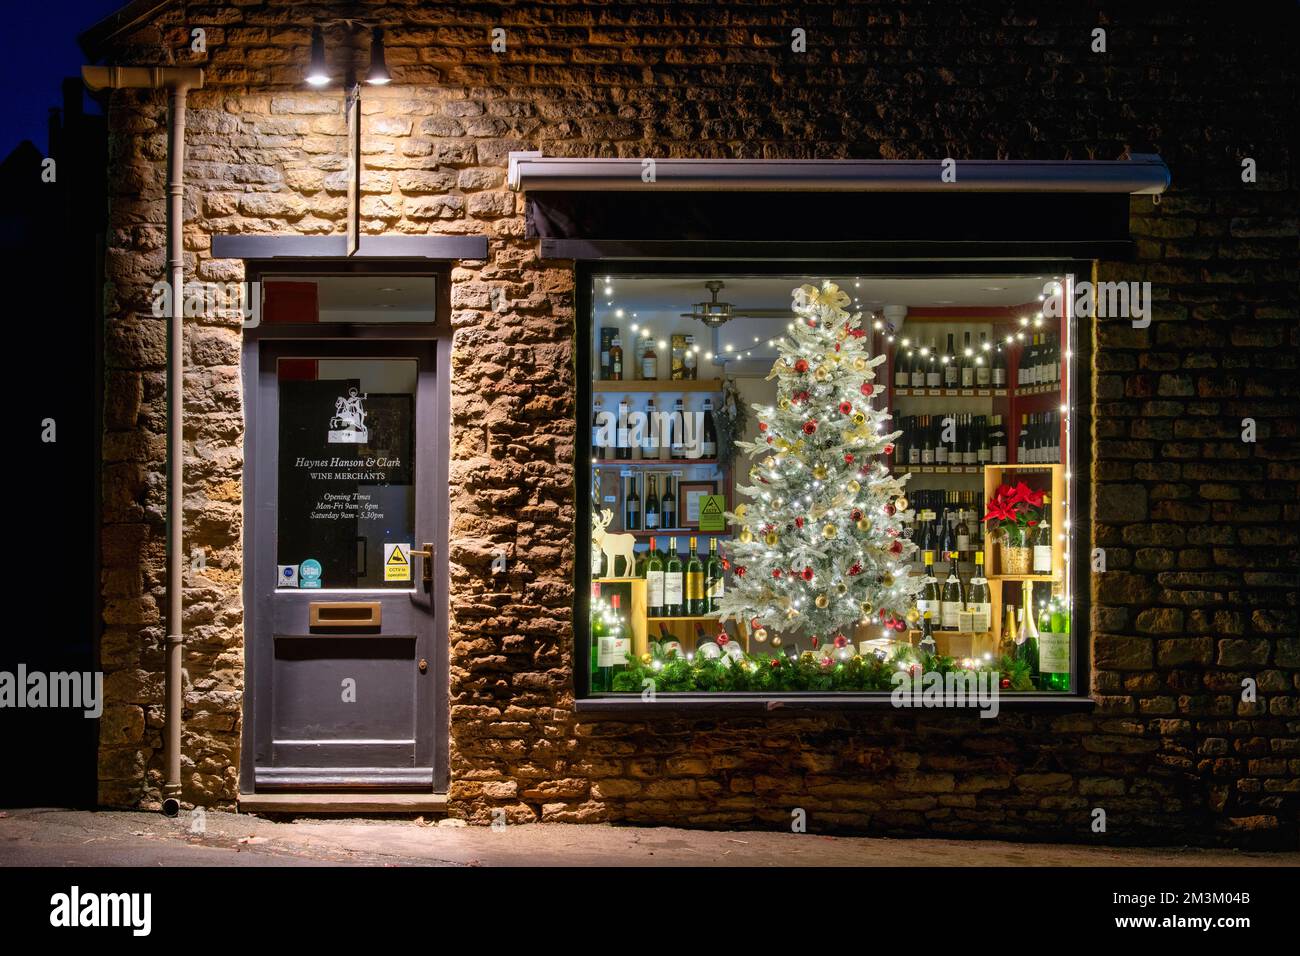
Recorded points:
426,572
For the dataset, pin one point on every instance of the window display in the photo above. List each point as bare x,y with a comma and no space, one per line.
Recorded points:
813,485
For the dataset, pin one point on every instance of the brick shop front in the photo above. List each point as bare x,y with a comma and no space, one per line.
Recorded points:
627,411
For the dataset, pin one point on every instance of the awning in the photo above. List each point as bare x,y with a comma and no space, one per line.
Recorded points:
832,210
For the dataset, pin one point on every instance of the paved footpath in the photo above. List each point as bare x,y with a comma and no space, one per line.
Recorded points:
51,837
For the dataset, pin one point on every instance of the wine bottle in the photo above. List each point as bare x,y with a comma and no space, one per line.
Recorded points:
1027,643
978,598
695,599
673,582
918,370
714,578
616,360
651,519
983,372
614,648
902,369
998,441
928,597
933,369
678,449
650,437
1054,648
999,369
928,644
963,533
632,507
709,439
940,446
952,601
668,505
1043,539
598,630
649,361
669,645
967,364
621,439
951,367
1022,447
654,581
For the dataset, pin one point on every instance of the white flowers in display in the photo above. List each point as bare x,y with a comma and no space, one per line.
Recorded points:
819,548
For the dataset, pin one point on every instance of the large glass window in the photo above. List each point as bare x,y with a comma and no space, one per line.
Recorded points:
821,483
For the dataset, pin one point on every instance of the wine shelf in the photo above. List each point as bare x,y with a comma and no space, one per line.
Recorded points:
651,462
1024,390
1023,577
678,533
941,469
950,392
665,385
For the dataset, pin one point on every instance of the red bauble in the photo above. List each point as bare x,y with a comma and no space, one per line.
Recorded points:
776,662
801,365
837,346
810,426
857,333
798,522
899,626
827,663
840,640
722,639
846,408
769,439
726,565
890,509
895,547
754,624
762,426
816,642
1005,683
856,569
867,388
740,570
889,449
807,574
856,514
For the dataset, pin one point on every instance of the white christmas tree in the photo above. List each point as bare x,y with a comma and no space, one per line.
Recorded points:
819,548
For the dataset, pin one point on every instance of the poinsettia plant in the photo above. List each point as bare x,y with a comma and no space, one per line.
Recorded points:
1013,509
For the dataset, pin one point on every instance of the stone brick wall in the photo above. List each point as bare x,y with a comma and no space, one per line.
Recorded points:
1199,528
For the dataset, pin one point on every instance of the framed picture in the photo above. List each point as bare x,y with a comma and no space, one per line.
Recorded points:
690,494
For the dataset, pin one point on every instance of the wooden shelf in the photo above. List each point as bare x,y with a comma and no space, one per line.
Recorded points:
677,533
940,469
692,617
1024,390
987,392
1023,577
665,385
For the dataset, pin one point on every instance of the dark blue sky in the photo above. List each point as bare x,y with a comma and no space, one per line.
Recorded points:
38,47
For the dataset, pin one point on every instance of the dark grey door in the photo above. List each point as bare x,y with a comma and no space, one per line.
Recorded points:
344,461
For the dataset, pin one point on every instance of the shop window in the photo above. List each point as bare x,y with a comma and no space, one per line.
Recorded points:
812,484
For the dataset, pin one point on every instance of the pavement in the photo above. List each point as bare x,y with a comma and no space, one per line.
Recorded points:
56,837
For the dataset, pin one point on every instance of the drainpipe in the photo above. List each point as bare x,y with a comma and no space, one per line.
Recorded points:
179,81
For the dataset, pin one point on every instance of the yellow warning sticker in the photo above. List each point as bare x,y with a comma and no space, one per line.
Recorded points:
397,562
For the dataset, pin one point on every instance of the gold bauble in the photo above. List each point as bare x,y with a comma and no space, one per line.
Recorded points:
913,616
859,364
791,614
853,486
841,588
776,642
646,659
822,373
822,601
859,419
740,510
746,536
867,607
835,357
887,580
900,503
819,472
760,635
779,502
828,531
771,539
864,524
783,404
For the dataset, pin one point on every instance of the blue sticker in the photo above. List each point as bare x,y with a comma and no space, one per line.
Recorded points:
309,574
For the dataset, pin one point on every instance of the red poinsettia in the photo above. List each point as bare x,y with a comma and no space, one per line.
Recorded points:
1019,506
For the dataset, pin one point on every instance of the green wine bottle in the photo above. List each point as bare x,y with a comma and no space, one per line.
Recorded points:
696,602
673,582
654,582
713,577
1054,648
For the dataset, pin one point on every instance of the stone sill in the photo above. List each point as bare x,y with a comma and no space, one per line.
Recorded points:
734,702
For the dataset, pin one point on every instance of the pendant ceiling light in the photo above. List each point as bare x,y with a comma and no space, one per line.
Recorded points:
378,72
317,72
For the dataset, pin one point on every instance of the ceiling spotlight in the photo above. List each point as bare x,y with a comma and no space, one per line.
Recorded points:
377,75
317,72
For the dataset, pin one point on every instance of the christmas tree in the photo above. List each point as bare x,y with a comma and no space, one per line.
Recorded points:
820,546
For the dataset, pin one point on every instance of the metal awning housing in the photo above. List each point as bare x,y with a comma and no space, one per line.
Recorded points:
1138,174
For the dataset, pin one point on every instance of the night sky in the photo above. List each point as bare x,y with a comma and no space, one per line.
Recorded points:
38,48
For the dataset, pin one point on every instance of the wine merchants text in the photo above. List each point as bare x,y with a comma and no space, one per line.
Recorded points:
959,688
84,692
74,908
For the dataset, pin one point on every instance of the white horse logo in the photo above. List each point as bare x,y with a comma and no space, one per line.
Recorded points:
348,426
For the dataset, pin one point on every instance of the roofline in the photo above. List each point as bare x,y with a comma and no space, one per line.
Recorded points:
94,39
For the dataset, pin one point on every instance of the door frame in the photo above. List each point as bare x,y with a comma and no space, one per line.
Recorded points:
436,333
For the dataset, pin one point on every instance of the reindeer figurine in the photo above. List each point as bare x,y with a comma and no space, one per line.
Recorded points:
613,545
